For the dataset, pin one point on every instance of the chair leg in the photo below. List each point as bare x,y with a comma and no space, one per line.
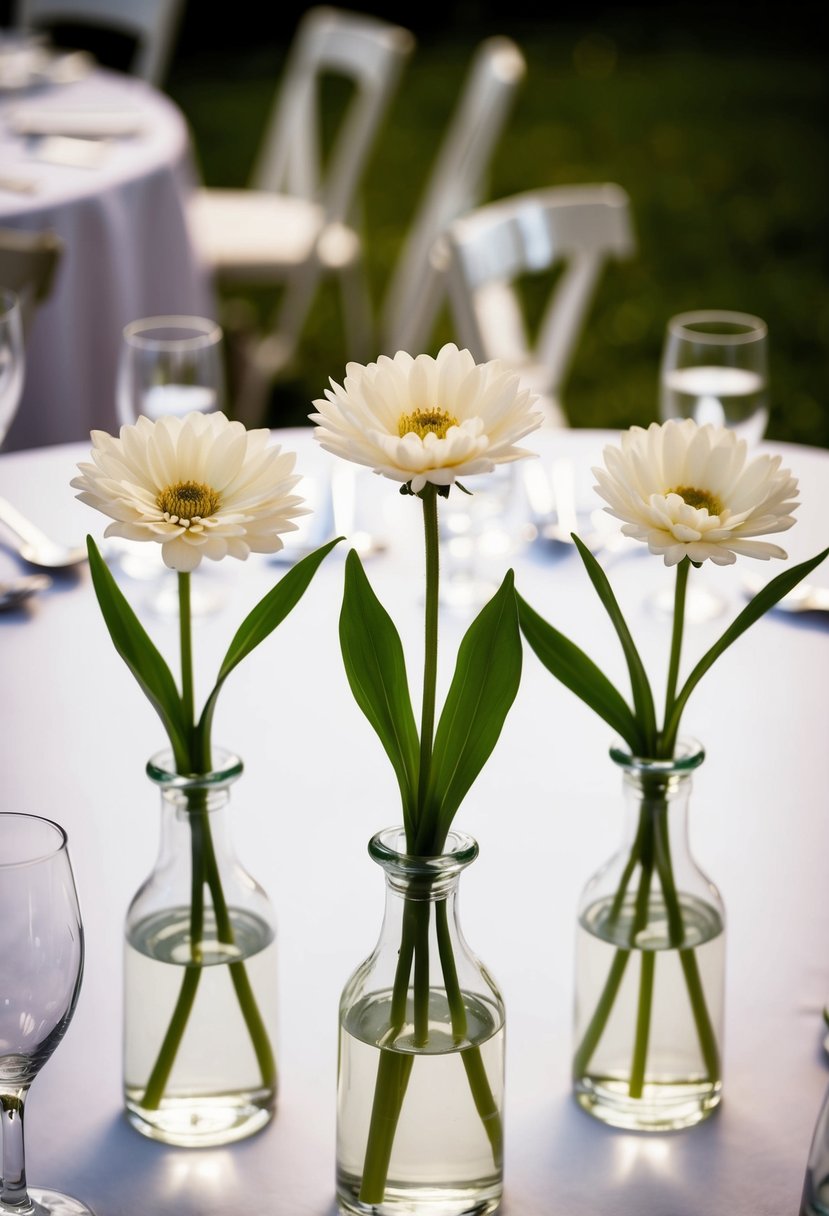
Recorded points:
358,312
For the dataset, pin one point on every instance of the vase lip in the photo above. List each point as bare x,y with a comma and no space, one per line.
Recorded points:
388,848
227,766
688,755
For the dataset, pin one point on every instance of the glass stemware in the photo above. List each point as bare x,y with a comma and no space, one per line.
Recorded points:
715,369
12,359
41,953
168,365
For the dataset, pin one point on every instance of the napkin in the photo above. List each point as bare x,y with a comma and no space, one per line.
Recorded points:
83,124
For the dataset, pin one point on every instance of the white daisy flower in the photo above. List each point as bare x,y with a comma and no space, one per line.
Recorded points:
424,419
200,486
690,491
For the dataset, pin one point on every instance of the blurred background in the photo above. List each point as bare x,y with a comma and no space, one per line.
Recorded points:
712,118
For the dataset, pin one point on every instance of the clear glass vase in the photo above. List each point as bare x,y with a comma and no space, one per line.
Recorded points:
650,963
815,1199
200,996
420,1082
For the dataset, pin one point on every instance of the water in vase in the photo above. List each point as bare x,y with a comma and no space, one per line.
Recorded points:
215,1092
678,1088
442,1159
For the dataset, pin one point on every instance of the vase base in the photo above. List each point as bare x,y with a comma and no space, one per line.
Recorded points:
202,1122
419,1200
662,1108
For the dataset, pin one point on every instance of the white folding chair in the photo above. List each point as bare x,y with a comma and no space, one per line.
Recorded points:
456,184
569,232
152,24
299,219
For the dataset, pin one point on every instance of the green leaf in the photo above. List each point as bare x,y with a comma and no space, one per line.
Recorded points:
639,683
376,670
579,673
260,623
140,654
484,685
756,607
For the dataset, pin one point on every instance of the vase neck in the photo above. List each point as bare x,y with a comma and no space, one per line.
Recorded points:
413,877
657,792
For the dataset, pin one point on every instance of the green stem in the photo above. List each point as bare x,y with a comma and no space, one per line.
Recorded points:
604,1006
393,1069
640,920
643,1023
430,649
393,1072
482,1095
166,1058
185,633
702,1019
687,956
668,742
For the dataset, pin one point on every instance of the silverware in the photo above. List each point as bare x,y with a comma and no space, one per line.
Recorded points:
34,546
14,593
805,597
18,185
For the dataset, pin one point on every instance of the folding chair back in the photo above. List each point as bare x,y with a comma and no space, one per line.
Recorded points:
573,230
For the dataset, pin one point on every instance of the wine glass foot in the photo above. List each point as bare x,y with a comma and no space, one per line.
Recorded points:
44,1202
701,604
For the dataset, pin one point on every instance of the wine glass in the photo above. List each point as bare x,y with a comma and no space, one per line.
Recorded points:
168,365
12,359
715,369
42,953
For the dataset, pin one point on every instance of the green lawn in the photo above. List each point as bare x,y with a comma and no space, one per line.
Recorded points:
723,152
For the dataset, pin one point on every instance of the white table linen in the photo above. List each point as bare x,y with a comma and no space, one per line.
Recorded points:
546,811
122,217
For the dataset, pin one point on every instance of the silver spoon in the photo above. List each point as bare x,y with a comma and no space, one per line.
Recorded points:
34,546
19,589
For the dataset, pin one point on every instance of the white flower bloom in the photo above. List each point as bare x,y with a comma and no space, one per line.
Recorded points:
424,419
200,486
690,491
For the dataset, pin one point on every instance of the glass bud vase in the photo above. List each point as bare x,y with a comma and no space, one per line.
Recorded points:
650,962
200,974
420,1082
815,1198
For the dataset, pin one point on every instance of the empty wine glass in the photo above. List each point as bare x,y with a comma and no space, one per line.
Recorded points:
41,956
168,365
715,369
12,359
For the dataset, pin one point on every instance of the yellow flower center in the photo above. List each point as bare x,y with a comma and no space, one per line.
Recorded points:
699,498
187,501
426,422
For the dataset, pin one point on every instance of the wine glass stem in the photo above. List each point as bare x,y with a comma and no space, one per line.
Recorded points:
13,1188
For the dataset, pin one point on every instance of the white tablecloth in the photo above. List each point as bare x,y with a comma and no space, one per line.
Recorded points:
546,811
128,252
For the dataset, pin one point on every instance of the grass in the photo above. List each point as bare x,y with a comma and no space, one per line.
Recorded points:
722,149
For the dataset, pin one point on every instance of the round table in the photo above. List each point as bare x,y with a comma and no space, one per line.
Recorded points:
546,810
127,253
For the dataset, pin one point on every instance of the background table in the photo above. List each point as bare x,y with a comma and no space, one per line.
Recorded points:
546,811
128,252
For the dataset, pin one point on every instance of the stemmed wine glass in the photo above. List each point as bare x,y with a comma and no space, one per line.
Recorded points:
714,369
12,359
168,365
41,956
